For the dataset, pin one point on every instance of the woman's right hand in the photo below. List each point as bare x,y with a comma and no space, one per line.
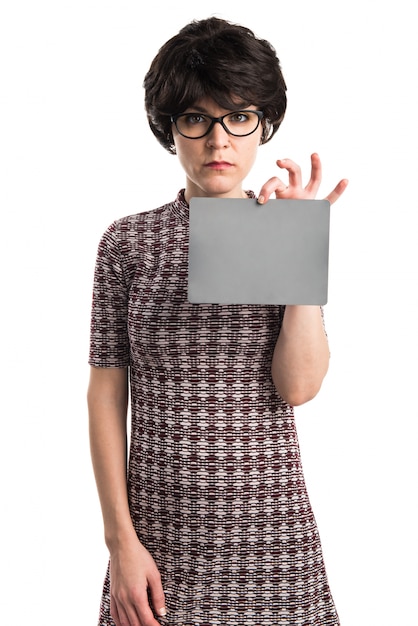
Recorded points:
133,573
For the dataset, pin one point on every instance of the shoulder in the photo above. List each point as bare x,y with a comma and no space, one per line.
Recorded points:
147,221
131,241
131,230
139,222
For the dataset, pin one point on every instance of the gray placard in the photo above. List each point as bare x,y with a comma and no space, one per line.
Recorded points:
241,252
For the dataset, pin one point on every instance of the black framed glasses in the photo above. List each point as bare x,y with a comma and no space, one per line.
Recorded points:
195,125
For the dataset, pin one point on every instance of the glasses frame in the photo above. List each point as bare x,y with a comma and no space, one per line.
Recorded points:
215,120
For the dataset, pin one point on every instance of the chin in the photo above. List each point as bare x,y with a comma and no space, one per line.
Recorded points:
222,190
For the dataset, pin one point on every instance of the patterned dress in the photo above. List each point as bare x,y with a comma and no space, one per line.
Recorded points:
216,488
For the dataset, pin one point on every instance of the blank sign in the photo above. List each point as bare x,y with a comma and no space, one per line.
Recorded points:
241,252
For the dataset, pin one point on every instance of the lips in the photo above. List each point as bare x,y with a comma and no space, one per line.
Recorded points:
218,165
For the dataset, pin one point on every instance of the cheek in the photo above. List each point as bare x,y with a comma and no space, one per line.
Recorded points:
253,145
251,154
187,164
183,155
186,151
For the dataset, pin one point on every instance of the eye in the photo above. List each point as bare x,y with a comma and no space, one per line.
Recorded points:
239,117
194,118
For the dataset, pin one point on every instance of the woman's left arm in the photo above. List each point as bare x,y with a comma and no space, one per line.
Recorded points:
301,356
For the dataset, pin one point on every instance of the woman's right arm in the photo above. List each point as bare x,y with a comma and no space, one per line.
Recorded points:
132,568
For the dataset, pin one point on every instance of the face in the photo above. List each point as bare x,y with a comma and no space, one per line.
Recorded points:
217,164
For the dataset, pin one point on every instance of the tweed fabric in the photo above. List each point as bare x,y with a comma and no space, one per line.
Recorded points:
216,487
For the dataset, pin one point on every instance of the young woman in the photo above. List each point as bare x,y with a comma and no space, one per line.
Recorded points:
209,522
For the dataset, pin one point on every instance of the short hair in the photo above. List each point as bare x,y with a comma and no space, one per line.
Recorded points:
217,59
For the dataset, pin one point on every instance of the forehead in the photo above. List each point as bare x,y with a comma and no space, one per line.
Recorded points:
211,107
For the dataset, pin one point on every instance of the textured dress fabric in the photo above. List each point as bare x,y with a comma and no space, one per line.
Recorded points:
216,487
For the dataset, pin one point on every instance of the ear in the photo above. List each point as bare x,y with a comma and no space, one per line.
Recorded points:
267,133
264,132
171,147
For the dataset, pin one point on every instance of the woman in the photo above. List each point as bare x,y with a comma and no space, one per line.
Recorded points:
209,523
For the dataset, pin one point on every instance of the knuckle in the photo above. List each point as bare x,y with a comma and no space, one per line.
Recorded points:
135,595
121,597
114,615
156,577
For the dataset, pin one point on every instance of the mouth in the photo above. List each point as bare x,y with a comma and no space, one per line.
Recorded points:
218,165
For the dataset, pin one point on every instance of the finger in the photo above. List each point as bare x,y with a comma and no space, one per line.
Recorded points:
316,174
134,610
295,173
337,191
157,596
142,613
119,615
114,613
273,185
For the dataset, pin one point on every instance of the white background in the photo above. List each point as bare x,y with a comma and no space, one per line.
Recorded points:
76,153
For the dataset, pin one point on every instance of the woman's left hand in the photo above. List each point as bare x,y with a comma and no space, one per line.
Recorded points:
294,189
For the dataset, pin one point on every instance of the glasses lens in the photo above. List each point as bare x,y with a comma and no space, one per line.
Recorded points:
238,123
241,123
193,125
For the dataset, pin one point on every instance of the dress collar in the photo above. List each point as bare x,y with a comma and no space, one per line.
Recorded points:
180,207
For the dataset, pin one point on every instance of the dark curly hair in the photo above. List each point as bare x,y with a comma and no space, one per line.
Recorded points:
216,59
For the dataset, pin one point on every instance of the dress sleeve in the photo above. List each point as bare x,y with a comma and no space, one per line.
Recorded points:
323,320
109,342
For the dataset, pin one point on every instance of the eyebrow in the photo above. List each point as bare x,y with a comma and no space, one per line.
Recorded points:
198,109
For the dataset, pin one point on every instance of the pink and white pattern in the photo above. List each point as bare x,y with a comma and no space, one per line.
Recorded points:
216,487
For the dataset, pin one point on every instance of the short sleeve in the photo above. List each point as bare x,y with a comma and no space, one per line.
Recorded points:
109,342
323,320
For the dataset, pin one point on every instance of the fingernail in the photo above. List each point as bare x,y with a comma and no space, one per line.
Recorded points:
260,199
162,612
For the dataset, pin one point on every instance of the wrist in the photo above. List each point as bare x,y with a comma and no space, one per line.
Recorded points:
117,538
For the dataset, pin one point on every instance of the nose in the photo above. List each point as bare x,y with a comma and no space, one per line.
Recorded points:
218,137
